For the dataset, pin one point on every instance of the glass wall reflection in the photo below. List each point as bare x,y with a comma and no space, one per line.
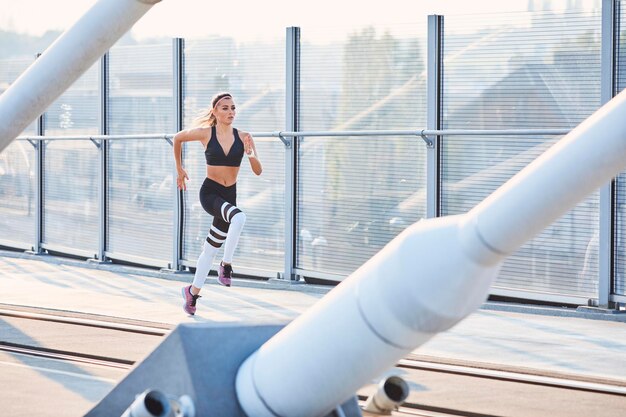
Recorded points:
354,194
18,174
140,173
522,71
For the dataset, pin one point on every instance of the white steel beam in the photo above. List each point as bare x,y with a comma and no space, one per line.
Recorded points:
64,61
426,280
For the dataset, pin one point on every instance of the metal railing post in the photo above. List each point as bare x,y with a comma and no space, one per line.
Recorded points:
607,91
178,73
292,107
103,128
433,118
39,164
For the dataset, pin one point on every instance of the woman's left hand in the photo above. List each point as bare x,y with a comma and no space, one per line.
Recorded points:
247,144
250,149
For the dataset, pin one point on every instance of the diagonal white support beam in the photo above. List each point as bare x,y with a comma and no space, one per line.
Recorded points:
433,275
64,61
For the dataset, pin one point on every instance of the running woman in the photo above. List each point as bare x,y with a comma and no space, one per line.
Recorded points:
224,147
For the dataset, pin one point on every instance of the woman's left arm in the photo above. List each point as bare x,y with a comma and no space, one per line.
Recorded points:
250,150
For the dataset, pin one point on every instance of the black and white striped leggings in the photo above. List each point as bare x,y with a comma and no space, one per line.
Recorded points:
221,203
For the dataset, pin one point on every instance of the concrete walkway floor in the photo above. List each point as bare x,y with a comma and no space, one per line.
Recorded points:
541,340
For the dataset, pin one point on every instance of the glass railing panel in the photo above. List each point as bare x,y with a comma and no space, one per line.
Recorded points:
354,194
71,194
619,225
71,184
141,89
18,193
515,71
140,200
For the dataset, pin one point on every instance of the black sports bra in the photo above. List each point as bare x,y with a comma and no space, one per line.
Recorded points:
214,153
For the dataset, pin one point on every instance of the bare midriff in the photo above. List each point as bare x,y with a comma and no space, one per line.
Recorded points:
226,176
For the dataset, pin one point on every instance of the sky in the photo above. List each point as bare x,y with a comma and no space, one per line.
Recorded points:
252,19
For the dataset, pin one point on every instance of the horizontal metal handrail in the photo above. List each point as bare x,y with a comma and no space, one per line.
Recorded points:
99,137
278,134
499,132
427,132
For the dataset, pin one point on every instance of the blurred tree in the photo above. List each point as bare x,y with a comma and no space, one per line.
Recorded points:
380,91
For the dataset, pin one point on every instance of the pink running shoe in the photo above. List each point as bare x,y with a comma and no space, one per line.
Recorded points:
225,274
190,300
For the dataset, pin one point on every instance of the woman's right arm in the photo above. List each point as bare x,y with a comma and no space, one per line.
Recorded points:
184,136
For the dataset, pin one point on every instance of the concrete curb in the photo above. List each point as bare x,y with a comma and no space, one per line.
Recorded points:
276,284
183,276
555,311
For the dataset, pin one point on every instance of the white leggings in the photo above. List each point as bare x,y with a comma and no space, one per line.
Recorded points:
205,260
232,239
203,266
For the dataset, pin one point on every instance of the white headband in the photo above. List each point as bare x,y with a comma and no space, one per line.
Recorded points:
226,96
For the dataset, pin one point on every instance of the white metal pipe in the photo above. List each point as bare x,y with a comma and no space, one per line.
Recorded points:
421,283
150,403
426,280
389,395
64,61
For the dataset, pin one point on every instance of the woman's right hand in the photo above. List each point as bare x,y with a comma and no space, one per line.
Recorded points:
180,180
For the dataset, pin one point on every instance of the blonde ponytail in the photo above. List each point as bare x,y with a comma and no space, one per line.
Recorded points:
204,119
